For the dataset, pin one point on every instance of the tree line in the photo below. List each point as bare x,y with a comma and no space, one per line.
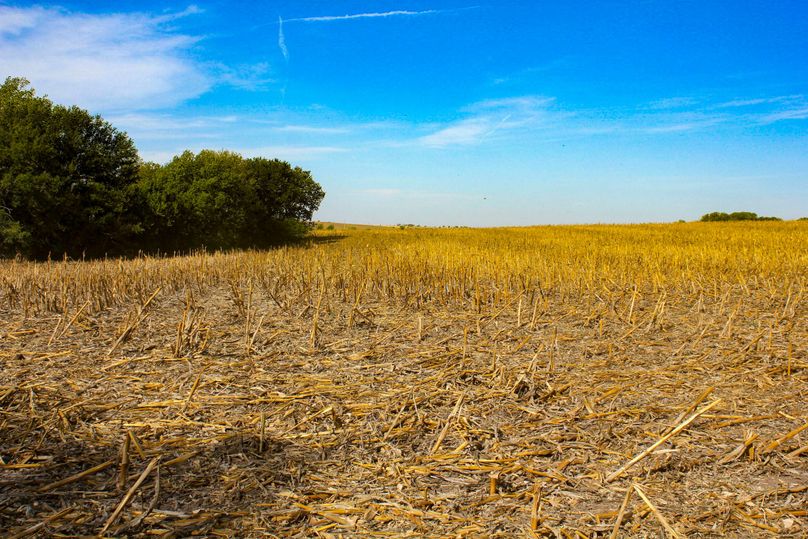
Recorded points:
736,216
72,184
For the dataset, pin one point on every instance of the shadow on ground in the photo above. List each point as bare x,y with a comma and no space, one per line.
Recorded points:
191,491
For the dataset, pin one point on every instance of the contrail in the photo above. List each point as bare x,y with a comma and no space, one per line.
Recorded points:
370,15
282,40
365,15
496,127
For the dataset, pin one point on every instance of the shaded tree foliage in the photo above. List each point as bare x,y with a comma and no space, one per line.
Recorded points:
65,178
70,183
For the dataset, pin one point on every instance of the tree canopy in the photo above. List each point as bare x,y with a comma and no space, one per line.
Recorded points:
70,183
221,200
65,177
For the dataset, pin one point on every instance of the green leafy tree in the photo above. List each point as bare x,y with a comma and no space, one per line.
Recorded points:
743,216
66,178
70,183
715,216
283,201
220,200
195,201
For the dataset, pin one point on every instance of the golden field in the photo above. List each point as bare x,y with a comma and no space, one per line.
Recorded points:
570,381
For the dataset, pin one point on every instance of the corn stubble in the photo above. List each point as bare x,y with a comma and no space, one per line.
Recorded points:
587,381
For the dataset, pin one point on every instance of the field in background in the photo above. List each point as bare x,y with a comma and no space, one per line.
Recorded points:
420,382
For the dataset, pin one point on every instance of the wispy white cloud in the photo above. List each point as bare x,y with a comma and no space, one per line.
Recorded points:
800,113
317,133
768,110
287,153
683,126
244,77
311,129
490,116
528,103
143,122
291,152
742,103
522,75
691,113
101,62
14,21
672,103
469,131
522,115
373,15
736,103
168,17
271,122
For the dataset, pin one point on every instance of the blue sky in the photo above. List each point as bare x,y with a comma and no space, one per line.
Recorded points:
474,113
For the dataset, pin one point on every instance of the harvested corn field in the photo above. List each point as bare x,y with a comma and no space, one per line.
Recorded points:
588,381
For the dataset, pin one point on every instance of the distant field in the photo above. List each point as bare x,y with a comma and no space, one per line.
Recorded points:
569,381
328,225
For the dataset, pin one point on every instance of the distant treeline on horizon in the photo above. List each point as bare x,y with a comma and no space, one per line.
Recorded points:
736,216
